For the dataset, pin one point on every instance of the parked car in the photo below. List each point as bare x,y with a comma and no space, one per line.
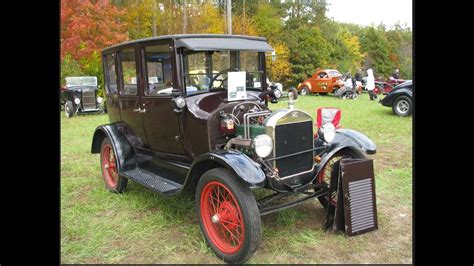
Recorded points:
277,90
323,81
219,142
400,99
79,95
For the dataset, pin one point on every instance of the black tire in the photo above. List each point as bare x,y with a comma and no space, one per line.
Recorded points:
238,194
293,91
304,91
327,174
402,106
69,109
120,183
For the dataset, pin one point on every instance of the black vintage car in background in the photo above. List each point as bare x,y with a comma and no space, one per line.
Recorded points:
400,99
190,112
79,95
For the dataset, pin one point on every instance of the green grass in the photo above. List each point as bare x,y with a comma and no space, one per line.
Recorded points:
139,226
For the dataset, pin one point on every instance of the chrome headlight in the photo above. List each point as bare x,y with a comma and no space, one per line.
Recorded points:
77,100
327,132
100,99
263,145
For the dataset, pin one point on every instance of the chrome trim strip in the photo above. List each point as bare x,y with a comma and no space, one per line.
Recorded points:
302,173
297,116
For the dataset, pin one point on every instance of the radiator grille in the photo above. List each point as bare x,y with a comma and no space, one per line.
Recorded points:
88,100
361,205
293,138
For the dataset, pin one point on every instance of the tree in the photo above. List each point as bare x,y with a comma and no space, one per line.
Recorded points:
87,26
279,70
268,22
70,68
347,54
376,45
308,51
205,18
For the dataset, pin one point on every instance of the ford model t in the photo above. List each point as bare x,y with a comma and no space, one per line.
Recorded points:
189,112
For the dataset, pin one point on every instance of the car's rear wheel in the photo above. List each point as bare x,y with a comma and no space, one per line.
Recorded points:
109,164
304,91
329,171
402,106
69,109
228,215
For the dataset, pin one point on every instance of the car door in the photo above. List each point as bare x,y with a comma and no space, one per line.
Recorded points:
130,94
322,82
160,121
111,88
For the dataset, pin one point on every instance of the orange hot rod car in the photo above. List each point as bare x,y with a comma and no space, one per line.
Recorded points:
322,82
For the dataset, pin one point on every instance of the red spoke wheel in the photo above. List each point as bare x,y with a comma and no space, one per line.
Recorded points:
326,173
108,161
228,215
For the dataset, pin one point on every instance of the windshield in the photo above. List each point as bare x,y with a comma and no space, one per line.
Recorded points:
208,70
81,81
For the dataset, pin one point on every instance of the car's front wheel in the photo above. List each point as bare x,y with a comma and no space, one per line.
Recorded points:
329,171
277,93
402,106
69,109
304,91
228,215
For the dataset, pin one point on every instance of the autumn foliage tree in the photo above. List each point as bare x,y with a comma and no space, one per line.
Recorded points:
303,37
86,28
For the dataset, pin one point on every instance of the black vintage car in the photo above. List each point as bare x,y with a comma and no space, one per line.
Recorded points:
400,99
80,96
198,120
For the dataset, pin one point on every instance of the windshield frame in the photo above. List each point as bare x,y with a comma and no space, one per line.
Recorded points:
80,79
209,71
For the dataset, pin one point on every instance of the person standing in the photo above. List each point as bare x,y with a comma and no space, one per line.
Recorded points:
396,74
358,75
370,86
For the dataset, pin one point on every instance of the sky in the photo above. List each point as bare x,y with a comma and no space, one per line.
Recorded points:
365,12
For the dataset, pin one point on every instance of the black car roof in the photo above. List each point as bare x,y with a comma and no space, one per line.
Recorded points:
201,42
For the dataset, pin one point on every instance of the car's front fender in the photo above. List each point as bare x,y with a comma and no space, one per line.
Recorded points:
240,164
350,141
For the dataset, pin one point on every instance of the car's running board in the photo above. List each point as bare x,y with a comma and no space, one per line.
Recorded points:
154,182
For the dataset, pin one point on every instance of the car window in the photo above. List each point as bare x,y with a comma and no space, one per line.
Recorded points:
159,70
111,76
249,63
322,75
129,71
198,65
335,73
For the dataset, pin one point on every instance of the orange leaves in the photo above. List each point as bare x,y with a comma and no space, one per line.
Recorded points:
87,27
